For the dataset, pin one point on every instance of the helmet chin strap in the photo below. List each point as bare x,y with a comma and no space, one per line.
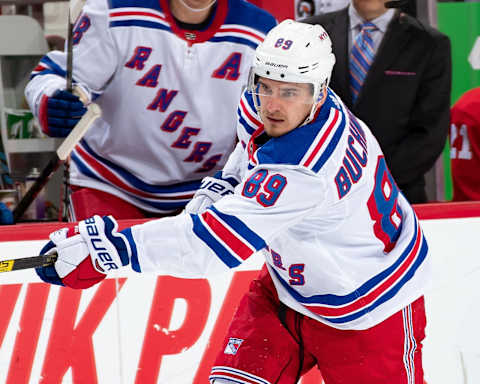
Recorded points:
317,105
198,9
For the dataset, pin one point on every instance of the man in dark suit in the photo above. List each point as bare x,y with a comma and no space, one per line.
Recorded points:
405,94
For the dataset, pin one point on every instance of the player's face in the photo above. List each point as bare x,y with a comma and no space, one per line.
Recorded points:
370,9
283,106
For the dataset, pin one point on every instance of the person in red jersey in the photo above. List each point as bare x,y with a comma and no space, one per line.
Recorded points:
465,146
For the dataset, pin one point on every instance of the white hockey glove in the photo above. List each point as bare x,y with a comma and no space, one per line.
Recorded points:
211,190
85,253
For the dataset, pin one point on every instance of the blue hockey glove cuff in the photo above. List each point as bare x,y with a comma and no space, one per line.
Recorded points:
59,113
49,274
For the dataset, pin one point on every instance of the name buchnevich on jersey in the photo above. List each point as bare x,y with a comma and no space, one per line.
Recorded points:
353,163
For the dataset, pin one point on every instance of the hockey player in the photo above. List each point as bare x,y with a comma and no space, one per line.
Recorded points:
151,66
346,260
465,146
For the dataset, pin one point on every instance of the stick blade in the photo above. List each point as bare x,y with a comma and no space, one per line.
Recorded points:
92,114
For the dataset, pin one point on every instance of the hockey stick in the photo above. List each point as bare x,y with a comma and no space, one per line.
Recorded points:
93,112
27,262
63,151
74,10
69,51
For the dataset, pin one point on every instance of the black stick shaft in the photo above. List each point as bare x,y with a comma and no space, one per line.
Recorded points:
69,54
69,78
36,187
27,262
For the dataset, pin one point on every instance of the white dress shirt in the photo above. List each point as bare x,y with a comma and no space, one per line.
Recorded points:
380,22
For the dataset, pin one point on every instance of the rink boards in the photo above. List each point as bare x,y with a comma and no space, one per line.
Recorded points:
158,329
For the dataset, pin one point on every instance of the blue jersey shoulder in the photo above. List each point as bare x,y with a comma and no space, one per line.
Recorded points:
152,4
249,15
292,147
289,148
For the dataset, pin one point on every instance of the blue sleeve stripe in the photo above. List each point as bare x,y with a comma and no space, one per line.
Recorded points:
54,67
241,229
41,73
134,259
204,234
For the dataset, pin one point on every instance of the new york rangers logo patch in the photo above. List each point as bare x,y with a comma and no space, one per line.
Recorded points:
190,36
232,346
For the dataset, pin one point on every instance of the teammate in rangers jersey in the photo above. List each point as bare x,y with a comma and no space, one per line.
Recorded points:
151,66
345,258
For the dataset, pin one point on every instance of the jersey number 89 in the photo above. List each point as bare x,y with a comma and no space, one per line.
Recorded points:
265,189
383,207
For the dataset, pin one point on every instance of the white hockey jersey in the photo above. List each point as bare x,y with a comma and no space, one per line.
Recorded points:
342,244
168,95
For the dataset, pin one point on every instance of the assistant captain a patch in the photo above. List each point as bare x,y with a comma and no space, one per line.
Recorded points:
232,346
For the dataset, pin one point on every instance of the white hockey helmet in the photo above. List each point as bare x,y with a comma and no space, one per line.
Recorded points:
295,52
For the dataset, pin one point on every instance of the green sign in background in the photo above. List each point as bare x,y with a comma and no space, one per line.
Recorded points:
461,22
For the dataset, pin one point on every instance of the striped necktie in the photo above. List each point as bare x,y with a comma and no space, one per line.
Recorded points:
361,57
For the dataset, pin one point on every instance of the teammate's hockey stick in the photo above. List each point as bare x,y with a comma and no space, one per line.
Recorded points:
93,113
27,262
74,10
69,51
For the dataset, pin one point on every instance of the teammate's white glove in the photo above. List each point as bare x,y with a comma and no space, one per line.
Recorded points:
211,190
85,253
